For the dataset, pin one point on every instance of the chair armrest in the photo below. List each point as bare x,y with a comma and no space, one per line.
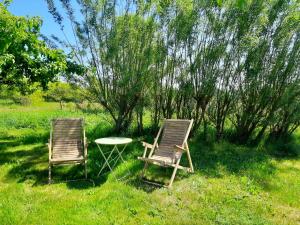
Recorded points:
179,148
48,143
147,145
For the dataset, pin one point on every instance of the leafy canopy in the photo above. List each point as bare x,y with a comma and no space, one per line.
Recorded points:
24,58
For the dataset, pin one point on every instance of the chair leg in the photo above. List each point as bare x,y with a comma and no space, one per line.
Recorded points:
85,169
49,174
144,169
189,158
174,173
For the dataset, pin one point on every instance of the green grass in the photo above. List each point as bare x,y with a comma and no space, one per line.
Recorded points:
232,184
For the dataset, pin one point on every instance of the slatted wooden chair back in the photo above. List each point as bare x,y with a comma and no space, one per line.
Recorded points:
67,139
175,132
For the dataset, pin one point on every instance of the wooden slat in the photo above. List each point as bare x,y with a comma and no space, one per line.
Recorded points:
67,137
67,159
155,161
58,153
174,133
67,129
165,159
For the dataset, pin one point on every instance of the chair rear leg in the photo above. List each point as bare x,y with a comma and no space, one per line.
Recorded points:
189,158
144,170
49,173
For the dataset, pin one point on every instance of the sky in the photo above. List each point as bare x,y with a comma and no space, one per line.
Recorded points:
39,8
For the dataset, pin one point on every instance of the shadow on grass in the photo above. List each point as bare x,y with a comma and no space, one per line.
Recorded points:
215,160
11,141
129,173
7,155
283,147
4,145
210,159
29,163
219,159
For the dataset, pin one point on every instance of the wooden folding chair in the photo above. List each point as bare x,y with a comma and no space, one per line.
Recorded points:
173,136
67,144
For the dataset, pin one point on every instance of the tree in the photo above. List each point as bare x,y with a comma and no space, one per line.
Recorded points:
117,52
62,92
286,119
270,45
24,58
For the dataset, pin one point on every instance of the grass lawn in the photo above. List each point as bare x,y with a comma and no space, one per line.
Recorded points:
232,184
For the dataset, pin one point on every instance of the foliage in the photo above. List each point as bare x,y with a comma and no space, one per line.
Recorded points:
24,58
286,118
36,95
62,92
213,61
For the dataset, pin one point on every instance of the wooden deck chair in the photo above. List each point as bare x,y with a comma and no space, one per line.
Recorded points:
67,144
173,136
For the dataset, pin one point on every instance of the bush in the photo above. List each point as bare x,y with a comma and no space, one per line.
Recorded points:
36,97
283,147
22,100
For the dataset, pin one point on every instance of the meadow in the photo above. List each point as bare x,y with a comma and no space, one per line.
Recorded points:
232,184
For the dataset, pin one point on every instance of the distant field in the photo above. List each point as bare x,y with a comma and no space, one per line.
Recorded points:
232,184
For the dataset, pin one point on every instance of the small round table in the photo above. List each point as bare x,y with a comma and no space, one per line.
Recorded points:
108,156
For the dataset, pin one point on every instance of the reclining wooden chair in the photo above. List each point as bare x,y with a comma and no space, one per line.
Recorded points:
173,144
67,144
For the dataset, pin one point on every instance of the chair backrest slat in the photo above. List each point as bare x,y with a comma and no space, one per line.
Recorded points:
175,132
67,138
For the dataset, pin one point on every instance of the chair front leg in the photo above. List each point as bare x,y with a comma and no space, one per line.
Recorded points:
145,152
85,146
147,146
85,169
174,173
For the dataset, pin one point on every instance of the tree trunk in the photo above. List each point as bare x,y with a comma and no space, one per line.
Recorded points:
140,126
61,105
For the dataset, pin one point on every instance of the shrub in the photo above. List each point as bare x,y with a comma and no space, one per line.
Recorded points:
22,100
283,147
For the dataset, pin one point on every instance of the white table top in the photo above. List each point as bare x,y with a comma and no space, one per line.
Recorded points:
113,141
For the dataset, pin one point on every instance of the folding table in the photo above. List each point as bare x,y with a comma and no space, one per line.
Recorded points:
112,157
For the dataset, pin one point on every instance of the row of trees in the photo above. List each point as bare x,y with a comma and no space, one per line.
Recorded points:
228,64
233,62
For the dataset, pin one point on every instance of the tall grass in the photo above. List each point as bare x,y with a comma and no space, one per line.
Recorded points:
19,122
